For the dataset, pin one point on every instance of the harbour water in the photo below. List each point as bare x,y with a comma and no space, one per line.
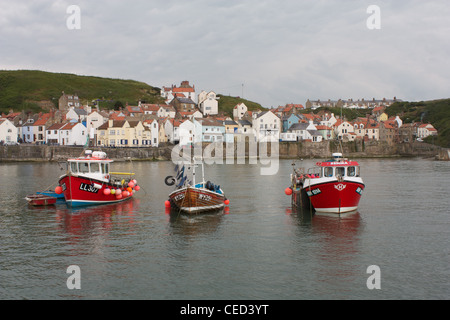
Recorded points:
257,249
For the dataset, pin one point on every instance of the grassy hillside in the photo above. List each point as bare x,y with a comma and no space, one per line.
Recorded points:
36,90
227,103
436,112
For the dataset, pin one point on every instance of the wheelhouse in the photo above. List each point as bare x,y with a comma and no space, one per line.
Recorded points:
338,167
94,165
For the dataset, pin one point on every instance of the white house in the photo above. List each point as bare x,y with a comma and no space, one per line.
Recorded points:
153,126
288,136
303,131
93,121
171,128
29,131
343,129
77,114
425,130
73,133
166,112
8,132
187,131
239,111
150,108
185,89
53,135
328,120
208,130
267,125
207,103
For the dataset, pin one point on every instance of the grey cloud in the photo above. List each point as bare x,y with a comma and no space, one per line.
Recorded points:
283,51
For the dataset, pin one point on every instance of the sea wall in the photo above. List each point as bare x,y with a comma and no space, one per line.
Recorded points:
287,150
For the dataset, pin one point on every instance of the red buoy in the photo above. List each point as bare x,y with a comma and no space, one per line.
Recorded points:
167,204
227,202
288,191
58,190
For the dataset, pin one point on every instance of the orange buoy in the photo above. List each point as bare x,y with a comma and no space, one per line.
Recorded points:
227,202
167,203
58,190
288,191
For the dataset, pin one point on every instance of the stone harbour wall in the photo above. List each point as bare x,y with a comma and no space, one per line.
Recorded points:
287,150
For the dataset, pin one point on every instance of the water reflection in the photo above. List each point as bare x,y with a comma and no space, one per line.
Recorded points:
337,242
192,225
78,221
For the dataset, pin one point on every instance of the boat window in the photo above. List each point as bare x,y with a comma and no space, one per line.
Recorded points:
105,168
328,171
73,167
340,171
357,171
351,171
95,167
83,167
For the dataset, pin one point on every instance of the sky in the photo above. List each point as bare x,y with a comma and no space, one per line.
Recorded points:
272,52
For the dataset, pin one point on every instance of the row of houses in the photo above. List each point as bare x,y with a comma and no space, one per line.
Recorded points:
134,127
181,120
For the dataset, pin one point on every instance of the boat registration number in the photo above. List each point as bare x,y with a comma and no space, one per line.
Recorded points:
179,197
88,188
311,193
205,197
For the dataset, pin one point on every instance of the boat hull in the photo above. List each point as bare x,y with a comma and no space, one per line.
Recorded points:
334,196
194,200
79,191
40,200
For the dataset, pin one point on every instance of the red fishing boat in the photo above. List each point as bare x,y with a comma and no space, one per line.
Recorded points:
90,181
331,186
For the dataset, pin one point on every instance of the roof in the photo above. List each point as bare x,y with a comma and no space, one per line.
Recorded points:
244,123
184,100
298,126
56,126
210,122
322,127
183,90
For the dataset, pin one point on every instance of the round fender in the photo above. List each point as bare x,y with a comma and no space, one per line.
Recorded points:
170,181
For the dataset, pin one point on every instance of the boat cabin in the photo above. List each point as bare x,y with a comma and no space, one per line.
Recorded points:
338,167
94,165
